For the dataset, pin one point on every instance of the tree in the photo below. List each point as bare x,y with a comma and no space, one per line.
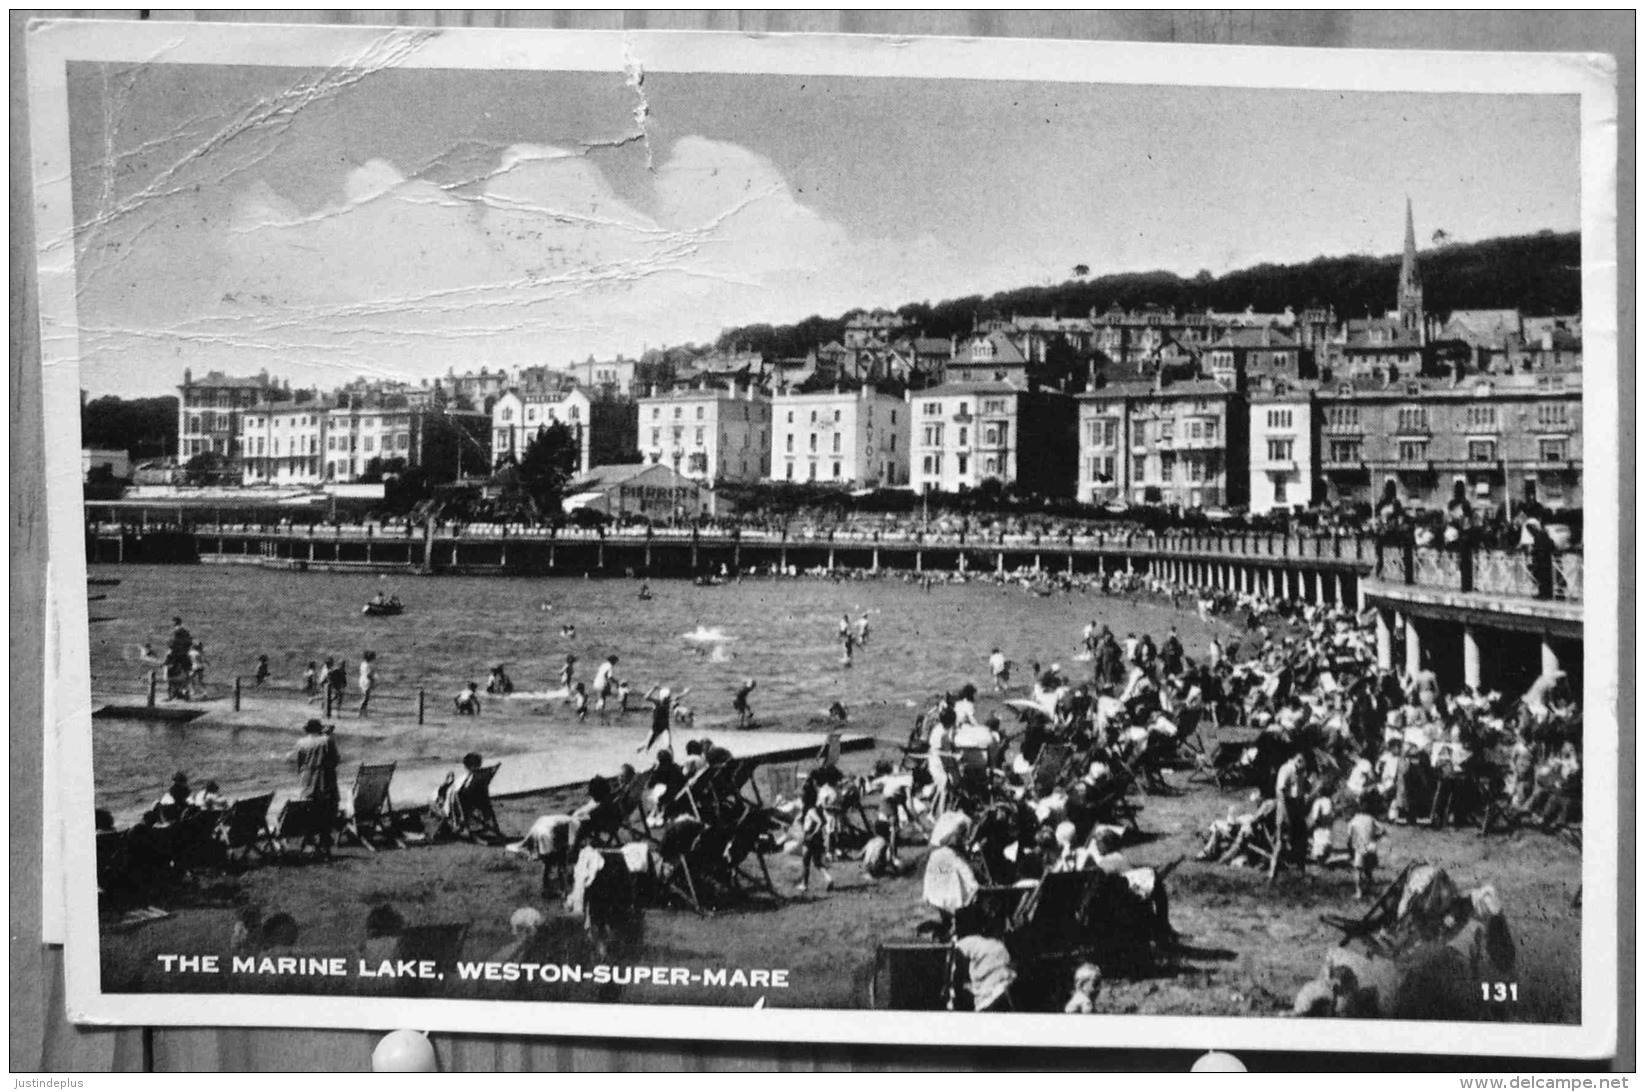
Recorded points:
379,469
207,468
546,466
1082,270
144,427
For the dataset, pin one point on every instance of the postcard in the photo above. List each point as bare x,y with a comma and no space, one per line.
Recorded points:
831,538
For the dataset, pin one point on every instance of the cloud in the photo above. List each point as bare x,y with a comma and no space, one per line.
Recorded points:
539,261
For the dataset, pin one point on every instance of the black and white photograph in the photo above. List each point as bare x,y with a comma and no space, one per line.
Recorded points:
858,540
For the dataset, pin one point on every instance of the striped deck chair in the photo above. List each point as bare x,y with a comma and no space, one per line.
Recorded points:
373,811
472,816
306,825
1049,765
244,828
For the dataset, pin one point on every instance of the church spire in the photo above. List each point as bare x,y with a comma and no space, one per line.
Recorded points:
1410,279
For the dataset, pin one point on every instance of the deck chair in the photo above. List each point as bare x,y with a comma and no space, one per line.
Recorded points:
918,748
911,975
244,828
679,849
990,914
631,809
306,825
442,944
1378,915
1050,917
373,812
1049,765
472,816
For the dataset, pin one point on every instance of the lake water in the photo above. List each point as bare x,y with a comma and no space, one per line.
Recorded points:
779,632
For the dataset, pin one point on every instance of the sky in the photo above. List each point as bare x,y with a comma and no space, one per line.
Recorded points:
404,223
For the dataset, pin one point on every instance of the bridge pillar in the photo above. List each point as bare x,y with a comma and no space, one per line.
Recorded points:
1128,566
919,561
830,558
1036,563
876,559
1271,584
1550,658
1413,646
1470,657
1070,559
962,563
999,564
1385,641
368,551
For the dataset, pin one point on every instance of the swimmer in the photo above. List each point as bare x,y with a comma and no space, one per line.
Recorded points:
645,590
568,631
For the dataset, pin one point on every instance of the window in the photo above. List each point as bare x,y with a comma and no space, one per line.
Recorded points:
656,412
1413,418
1102,469
1551,451
893,446
893,417
933,409
791,417
679,435
508,413
1167,431
1104,432
1342,416
576,413
788,442
1139,468
531,416
699,437
1413,451
926,466
1482,417
813,441
1168,466
369,441
1279,418
1279,491
813,417
1194,470
1482,451
836,416
836,470
963,461
790,465
932,436
1279,451
701,411
656,437
811,473
1210,431
679,412
994,405
965,436
836,446
276,446
1553,415
331,443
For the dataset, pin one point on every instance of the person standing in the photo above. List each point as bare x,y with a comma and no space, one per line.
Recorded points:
1000,668
604,683
317,761
739,704
568,676
368,679
862,631
1291,818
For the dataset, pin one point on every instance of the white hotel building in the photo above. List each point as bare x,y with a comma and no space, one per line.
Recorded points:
855,438
517,416
708,434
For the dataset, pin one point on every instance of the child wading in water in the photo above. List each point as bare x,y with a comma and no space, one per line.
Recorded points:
813,841
579,701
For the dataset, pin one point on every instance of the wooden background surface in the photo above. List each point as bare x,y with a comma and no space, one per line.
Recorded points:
42,1039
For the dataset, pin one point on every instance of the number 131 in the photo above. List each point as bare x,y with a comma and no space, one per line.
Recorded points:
1499,991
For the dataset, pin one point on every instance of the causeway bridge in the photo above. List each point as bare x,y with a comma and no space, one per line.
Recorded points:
1433,606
